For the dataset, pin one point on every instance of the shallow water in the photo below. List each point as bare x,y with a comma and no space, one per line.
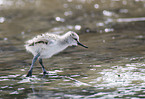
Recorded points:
112,67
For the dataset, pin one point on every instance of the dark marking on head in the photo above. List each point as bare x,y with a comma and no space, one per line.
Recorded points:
73,34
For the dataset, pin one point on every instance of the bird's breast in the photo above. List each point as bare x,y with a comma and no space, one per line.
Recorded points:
47,52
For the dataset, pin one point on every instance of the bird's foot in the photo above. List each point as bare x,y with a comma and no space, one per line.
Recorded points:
44,73
29,74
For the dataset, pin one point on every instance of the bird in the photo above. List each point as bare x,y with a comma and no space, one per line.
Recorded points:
48,44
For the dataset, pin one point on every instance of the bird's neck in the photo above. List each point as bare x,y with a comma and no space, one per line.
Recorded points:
65,40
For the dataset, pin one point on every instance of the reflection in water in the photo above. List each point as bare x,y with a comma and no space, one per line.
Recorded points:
16,3
127,79
131,19
107,13
2,19
59,19
77,83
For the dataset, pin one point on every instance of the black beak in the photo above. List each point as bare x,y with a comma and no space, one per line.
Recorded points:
82,44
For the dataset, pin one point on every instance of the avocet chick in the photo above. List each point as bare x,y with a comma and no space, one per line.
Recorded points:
47,45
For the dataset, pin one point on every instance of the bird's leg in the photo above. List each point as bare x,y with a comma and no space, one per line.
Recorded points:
29,74
43,69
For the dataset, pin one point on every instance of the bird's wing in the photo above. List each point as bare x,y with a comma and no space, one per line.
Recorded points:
42,39
39,42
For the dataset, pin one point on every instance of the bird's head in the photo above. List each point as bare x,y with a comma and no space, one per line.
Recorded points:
73,39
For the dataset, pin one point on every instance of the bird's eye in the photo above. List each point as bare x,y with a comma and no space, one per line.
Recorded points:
73,34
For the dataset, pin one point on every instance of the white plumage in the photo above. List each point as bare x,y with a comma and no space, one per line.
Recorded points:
46,45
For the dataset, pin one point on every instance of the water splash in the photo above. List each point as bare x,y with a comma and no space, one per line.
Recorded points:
121,76
33,79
